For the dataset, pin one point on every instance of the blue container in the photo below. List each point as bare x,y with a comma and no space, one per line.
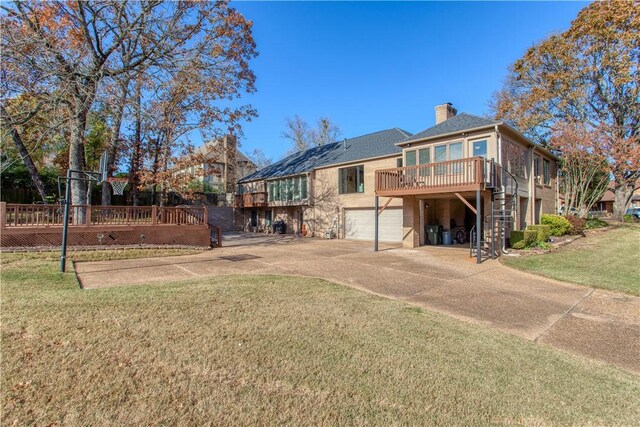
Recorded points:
446,238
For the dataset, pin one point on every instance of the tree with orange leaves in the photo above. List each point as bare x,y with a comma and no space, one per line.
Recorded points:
589,75
74,49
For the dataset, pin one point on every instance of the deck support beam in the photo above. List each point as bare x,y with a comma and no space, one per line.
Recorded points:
466,202
478,226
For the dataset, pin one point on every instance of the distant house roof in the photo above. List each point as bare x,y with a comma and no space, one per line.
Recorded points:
217,152
459,123
377,144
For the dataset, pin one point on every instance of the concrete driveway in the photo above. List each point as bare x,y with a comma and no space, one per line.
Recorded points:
595,323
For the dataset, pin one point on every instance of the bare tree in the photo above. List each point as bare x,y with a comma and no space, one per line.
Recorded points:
302,137
260,159
297,132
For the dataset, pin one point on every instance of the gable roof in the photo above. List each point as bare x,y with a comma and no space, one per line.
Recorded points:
215,152
459,123
377,144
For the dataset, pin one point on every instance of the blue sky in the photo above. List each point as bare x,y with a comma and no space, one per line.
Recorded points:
376,65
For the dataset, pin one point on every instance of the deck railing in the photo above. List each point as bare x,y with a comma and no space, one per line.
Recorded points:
433,177
252,200
22,215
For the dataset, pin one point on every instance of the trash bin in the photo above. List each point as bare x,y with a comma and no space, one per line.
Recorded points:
279,227
434,234
446,238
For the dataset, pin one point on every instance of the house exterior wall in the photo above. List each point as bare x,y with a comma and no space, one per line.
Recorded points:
327,202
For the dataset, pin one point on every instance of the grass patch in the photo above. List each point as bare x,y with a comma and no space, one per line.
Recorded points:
248,350
607,260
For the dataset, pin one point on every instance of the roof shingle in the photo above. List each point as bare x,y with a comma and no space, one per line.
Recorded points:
459,123
363,147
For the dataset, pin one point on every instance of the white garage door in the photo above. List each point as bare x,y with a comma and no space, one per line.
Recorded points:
359,224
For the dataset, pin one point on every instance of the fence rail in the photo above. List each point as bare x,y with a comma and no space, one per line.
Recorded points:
23,215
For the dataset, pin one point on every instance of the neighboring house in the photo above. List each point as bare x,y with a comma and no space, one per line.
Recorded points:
440,176
605,204
217,175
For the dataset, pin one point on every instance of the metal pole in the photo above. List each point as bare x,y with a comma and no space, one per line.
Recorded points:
375,236
478,226
65,226
493,227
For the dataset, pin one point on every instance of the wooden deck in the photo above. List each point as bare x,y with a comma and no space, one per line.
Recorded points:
25,225
453,176
252,200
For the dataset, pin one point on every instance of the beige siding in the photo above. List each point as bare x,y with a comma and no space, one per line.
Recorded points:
329,205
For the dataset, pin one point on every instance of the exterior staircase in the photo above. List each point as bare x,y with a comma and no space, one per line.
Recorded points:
501,218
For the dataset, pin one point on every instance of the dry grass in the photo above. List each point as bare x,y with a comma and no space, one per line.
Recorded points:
608,260
275,350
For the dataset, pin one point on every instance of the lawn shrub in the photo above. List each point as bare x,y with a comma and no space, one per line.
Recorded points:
628,218
559,224
516,236
577,224
530,238
595,223
519,245
544,232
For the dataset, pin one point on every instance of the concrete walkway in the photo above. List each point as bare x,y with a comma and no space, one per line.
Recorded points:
595,323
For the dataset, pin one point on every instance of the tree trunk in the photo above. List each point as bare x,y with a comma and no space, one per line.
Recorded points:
114,143
154,170
26,158
76,159
622,196
136,152
231,162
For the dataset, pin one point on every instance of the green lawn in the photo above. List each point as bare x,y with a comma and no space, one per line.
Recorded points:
608,260
248,350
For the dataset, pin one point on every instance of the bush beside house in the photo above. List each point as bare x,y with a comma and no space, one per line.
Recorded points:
559,224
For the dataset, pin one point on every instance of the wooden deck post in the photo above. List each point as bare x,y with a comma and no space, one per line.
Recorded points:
88,216
375,222
3,214
478,226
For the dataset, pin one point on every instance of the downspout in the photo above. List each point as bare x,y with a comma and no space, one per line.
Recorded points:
532,187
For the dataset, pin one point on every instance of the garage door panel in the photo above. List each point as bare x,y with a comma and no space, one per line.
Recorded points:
360,224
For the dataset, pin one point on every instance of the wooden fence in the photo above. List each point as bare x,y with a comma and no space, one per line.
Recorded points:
25,225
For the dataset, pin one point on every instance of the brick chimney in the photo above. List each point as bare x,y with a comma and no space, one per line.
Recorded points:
444,112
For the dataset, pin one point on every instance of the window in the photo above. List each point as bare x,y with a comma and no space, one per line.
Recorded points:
296,189
441,153
411,158
271,191
351,180
546,169
303,187
455,151
479,149
536,167
424,156
399,162
289,189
